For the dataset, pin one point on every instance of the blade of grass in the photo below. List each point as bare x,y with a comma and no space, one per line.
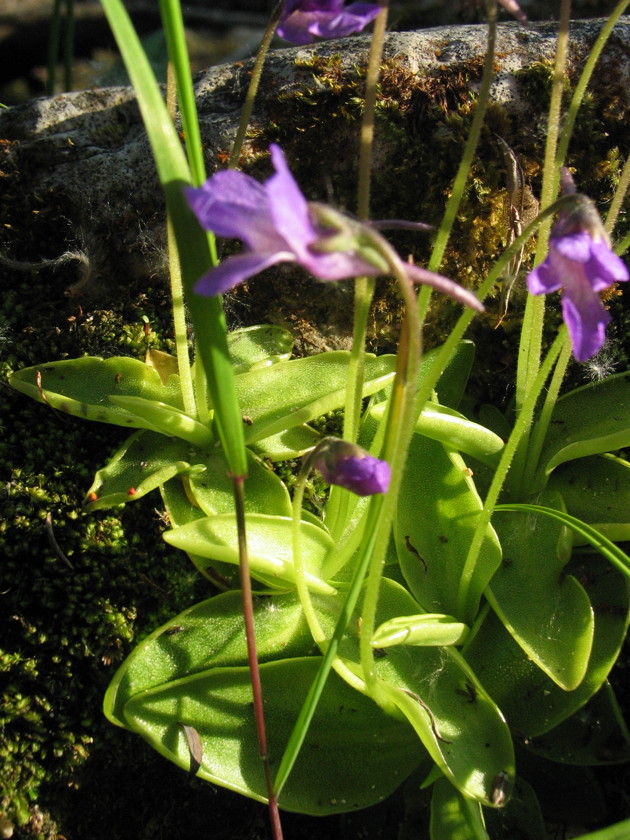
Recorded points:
195,257
173,24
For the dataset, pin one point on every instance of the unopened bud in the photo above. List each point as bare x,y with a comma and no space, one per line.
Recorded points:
350,466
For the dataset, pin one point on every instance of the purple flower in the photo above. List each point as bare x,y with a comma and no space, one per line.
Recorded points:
583,265
350,466
278,225
303,21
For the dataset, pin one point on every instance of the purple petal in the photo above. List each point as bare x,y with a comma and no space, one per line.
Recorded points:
234,205
574,246
303,22
288,207
338,265
363,476
544,279
604,267
586,320
291,6
236,270
354,18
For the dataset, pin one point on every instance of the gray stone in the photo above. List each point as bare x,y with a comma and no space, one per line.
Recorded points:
88,151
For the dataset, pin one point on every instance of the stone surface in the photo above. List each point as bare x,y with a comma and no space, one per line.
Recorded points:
87,151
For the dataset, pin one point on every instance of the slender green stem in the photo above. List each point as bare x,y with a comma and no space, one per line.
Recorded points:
298,734
252,90
539,431
622,246
430,379
179,323
298,561
173,22
523,423
580,88
250,637
618,198
364,286
530,346
399,424
399,428
459,184
177,288
300,579
369,113
363,294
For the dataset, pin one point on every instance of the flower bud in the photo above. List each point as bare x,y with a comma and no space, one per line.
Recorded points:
350,466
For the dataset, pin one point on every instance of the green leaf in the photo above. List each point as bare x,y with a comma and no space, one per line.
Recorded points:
452,383
453,817
434,688
291,393
83,387
455,431
288,444
208,634
597,491
193,671
145,461
192,242
426,629
594,735
334,772
269,542
546,611
437,516
618,831
532,703
588,534
259,345
166,419
588,421
213,489
520,818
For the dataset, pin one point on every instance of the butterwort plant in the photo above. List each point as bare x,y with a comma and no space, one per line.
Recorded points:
410,687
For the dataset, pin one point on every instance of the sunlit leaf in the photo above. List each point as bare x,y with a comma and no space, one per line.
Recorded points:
554,621
588,421
269,542
83,387
437,516
453,816
255,345
532,702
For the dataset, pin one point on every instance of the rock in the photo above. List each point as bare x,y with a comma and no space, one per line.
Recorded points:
88,154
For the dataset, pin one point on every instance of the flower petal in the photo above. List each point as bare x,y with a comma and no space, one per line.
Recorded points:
544,279
363,475
236,270
303,21
586,320
604,267
234,205
572,246
288,208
